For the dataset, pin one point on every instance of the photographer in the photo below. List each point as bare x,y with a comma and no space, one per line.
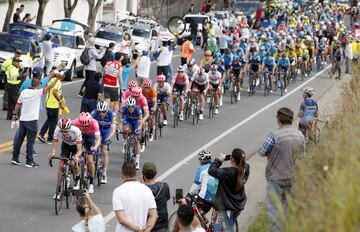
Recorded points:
230,197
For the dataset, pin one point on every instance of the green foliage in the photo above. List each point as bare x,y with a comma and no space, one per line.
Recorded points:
261,222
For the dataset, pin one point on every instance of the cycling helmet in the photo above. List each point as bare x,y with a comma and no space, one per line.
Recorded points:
190,61
132,84
84,119
131,102
283,55
180,68
64,123
102,106
207,53
204,154
310,91
136,92
147,83
201,71
161,78
214,67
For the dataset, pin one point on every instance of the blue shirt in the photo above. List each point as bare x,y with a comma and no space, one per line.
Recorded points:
284,62
228,59
125,75
269,61
107,122
204,184
308,110
128,116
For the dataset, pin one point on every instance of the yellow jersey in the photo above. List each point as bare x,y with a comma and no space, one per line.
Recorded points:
51,101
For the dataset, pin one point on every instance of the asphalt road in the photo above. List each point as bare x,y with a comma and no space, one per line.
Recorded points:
26,194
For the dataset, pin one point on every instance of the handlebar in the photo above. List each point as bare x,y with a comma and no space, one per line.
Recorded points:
59,158
118,131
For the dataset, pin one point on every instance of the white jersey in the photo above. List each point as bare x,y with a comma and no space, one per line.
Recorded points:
191,72
214,77
71,138
200,80
165,90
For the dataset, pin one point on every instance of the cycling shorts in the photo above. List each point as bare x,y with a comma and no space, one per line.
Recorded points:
292,60
88,142
255,68
179,88
227,67
236,72
285,68
214,86
134,124
151,107
68,150
163,99
269,68
201,88
104,135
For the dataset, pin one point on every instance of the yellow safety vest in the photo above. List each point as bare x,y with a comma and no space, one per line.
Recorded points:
12,74
7,63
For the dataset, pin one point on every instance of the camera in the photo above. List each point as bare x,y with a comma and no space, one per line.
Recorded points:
227,157
79,193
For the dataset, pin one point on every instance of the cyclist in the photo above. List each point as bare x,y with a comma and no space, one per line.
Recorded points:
130,86
308,112
204,186
269,63
255,67
284,64
150,93
199,83
163,90
131,115
215,80
190,67
206,61
291,54
228,59
236,68
71,146
90,130
180,84
106,119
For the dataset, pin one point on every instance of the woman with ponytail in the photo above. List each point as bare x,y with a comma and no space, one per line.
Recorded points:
230,197
91,218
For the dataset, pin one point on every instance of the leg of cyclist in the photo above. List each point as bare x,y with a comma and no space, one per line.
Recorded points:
181,117
164,110
202,103
137,125
238,87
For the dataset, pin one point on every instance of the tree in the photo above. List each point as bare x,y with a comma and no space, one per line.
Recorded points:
93,10
69,8
41,11
9,12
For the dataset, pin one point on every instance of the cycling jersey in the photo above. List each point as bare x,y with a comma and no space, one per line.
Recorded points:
308,110
180,79
91,130
244,47
72,137
214,77
165,90
150,95
105,123
269,61
205,186
112,70
191,72
130,116
228,59
142,103
200,80
284,62
206,64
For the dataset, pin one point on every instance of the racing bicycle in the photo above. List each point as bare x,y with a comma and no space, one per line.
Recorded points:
129,155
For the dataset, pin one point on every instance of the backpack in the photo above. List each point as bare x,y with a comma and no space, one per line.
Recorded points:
85,57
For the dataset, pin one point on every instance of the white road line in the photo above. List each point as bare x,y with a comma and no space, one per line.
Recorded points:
175,167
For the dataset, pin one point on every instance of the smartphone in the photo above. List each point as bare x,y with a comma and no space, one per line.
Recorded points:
227,157
179,194
79,193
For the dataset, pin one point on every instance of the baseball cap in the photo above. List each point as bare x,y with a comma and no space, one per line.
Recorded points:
149,167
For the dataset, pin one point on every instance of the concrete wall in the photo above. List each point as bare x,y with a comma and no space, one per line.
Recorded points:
54,10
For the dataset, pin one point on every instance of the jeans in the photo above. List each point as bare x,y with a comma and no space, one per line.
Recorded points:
50,123
227,220
88,105
193,39
276,192
48,66
28,129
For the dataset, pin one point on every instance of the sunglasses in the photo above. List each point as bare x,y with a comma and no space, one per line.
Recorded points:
180,71
102,112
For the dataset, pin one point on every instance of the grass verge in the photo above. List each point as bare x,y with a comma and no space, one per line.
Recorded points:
260,222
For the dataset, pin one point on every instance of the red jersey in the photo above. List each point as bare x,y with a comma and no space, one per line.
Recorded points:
112,70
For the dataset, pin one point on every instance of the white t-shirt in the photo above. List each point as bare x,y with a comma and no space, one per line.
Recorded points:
143,68
48,50
30,104
164,57
135,200
96,224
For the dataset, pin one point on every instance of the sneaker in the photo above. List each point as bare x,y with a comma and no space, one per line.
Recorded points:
216,111
32,165
91,188
285,90
142,147
41,138
324,62
181,117
201,116
103,179
76,185
151,137
238,97
80,96
49,142
306,74
165,123
137,165
257,82
15,162
123,148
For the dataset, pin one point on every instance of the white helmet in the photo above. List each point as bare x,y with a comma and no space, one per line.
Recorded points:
204,154
131,102
102,106
309,90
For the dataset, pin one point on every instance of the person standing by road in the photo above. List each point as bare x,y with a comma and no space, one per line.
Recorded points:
27,18
187,51
143,67
161,194
29,102
13,80
125,46
4,67
16,16
193,31
230,196
163,57
281,148
133,203
109,55
49,46
53,102
91,92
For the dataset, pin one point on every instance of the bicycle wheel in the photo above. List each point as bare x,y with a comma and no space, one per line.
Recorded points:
282,88
211,106
176,111
176,25
231,92
59,196
235,93
157,125
172,221
69,187
98,176
194,112
197,109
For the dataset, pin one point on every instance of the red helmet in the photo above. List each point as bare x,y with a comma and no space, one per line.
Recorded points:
84,119
161,78
207,53
132,84
147,83
136,92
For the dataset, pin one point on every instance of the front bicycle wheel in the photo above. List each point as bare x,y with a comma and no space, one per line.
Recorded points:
69,187
172,221
59,196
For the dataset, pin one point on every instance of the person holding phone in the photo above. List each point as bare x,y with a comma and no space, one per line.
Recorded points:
230,196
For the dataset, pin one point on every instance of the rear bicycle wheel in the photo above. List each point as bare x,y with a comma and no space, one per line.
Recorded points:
317,135
98,176
211,106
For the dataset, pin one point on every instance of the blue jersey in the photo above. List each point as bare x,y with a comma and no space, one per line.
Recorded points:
128,116
284,62
228,59
308,110
204,185
107,122
269,61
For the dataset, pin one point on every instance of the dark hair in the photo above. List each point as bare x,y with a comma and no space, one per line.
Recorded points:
129,169
239,157
285,116
22,5
111,45
83,208
118,55
124,62
185,215
17,9
98,76
149,175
